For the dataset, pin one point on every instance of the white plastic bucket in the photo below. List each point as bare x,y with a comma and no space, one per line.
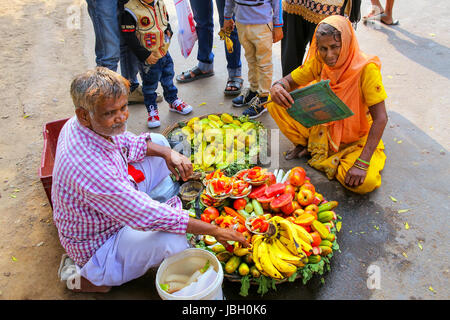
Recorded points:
212,292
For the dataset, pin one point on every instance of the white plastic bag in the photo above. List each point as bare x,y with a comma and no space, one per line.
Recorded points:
186,27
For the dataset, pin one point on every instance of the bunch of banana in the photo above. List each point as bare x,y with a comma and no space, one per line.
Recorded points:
279,256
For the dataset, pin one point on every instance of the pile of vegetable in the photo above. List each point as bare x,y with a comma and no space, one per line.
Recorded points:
292,229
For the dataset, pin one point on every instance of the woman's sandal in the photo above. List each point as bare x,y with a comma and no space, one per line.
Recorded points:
297,152
198,74
234,82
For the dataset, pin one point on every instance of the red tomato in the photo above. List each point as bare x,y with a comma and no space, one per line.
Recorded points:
211,212
239,204
264,226
241,228
204,217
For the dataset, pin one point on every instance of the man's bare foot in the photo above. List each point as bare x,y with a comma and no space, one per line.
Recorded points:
87,286
297,152
374,13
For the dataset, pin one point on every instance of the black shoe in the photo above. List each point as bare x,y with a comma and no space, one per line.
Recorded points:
254,111
244,99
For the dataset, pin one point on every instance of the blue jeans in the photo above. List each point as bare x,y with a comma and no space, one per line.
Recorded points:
203,16
110,46
162,71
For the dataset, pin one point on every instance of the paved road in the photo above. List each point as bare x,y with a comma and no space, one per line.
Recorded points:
416,74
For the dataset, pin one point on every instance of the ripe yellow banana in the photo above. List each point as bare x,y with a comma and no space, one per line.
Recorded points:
286,268
229,44
302,233
266,263
256,240
289,244
287,227
285,254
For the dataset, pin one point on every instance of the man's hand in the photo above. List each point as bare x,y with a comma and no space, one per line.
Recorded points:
228,25
179,165
277,34
355,177
152,59
280,96
227,234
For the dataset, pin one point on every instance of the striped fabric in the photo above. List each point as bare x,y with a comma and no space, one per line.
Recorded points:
93,197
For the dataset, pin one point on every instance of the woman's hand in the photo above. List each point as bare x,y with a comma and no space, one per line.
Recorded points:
355,177
281,96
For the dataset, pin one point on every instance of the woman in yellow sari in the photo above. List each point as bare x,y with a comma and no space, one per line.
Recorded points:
349,150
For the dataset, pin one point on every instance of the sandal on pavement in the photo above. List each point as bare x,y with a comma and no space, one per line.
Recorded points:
236,83
198,74
393,23
297,152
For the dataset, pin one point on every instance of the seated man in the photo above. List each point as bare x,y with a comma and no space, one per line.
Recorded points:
110,225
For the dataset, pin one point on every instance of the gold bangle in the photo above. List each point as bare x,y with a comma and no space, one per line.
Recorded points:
359,167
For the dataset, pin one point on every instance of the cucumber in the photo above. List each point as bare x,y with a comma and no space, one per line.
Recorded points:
257,208
243,213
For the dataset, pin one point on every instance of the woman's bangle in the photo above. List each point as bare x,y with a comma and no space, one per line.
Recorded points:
363,161
361,164
360,167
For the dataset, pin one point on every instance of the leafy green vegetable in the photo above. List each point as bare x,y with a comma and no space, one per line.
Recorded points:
263,285
293,277
245,285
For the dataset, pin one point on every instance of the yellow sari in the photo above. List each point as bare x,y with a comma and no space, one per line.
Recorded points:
334,147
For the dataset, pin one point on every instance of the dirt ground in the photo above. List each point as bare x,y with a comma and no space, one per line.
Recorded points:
42,48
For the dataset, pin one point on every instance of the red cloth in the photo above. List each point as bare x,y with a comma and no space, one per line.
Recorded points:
137,175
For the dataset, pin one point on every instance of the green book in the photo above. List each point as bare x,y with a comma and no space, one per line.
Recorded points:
317,104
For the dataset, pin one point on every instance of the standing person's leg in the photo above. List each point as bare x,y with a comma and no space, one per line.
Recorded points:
249,51
151,75
387,18
203,16
169,89
234,65
375,11
261,37
103,14
298,33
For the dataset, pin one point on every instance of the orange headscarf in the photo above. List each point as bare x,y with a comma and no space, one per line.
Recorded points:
344,81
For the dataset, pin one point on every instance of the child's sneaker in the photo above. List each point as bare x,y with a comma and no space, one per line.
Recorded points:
180,106
244,99
153,118
254,111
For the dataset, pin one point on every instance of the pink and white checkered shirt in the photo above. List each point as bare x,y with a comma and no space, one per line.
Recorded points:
93,197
